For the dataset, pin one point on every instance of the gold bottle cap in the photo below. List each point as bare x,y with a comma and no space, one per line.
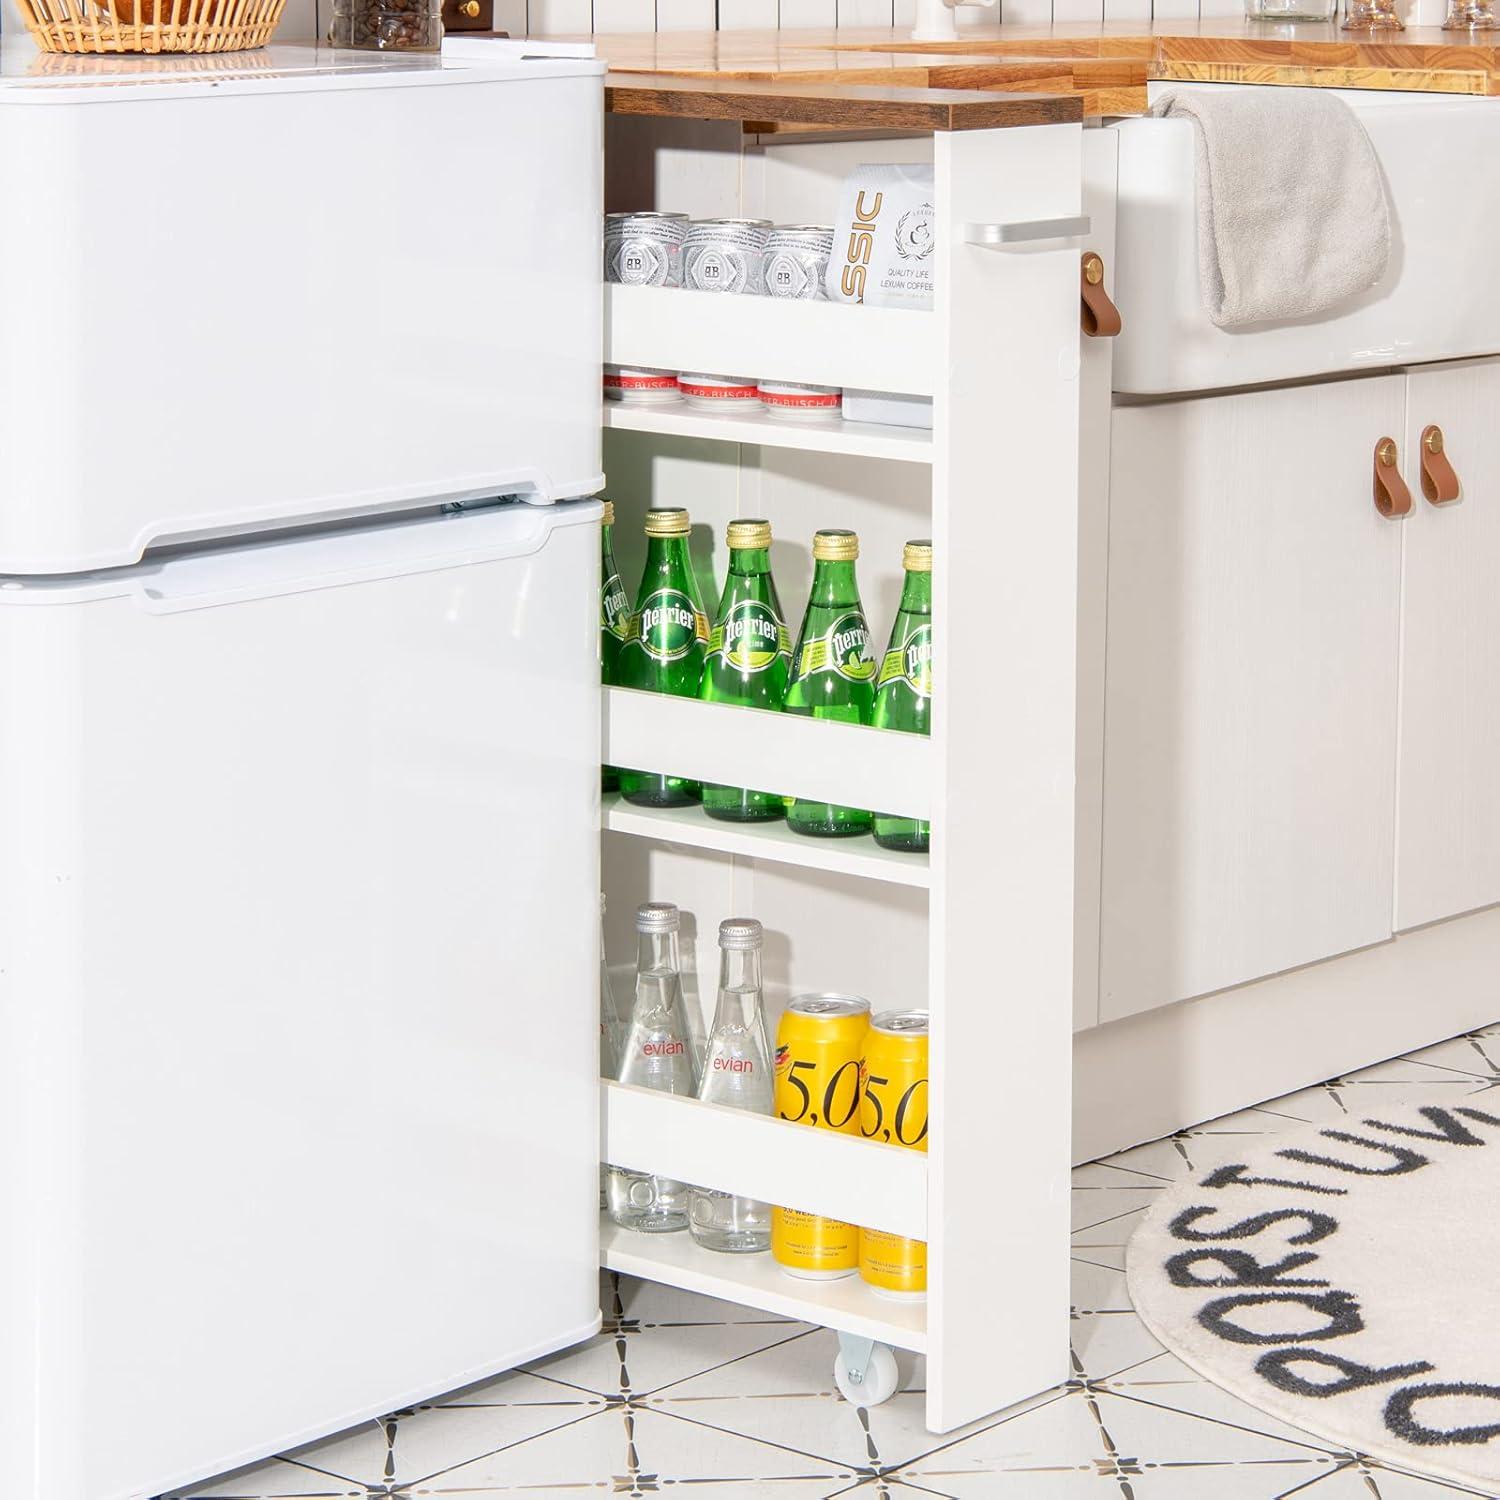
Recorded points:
835,546
670,522
608,518
916,557
747,535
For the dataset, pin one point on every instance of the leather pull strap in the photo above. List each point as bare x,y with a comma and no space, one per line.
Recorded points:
1439,482
1392,498
1101,318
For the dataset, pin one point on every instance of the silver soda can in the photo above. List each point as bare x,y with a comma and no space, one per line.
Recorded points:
726,255
644,249
796,258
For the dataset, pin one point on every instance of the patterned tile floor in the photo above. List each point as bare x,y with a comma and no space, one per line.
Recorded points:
681,1394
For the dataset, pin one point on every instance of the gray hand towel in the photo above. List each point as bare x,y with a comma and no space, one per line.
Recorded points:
1292,213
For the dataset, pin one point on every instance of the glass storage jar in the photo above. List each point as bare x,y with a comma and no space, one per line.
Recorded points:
1292,10
387,25
1372,16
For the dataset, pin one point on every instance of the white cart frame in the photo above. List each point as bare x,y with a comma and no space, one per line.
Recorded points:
999,354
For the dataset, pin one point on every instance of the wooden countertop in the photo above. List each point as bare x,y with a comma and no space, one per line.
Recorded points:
880,79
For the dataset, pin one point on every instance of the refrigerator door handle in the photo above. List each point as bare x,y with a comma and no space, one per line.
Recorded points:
332,559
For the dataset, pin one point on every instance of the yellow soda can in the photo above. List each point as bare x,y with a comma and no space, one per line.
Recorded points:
893,1109
818,1047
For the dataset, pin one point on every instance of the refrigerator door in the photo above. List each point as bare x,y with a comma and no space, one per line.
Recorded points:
298,1028
338,284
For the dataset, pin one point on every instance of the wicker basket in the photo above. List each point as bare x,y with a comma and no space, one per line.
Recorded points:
150,25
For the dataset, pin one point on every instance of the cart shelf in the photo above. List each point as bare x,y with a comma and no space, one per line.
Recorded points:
818,435
816,758
756,1281
777,1161
818,343
982,933
860,856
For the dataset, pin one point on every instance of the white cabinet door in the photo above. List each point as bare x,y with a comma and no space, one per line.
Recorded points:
1448,789
1251,685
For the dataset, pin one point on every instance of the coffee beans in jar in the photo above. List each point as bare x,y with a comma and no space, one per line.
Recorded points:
726,255
644,249
387,25
797,260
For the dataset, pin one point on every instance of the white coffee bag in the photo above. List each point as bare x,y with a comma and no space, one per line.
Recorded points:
883,238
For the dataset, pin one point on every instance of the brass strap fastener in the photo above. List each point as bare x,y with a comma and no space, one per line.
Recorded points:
1439,481
1392,498
1101,318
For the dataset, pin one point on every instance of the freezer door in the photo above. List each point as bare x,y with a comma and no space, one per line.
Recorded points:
336,292
298,1036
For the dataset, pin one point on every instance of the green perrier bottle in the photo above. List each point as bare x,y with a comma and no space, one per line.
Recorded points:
903,691
749,653
667,643
614,619
833,672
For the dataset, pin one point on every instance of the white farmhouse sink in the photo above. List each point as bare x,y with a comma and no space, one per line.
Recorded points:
1436,301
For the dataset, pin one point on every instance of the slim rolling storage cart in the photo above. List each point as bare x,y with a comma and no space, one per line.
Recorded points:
981,932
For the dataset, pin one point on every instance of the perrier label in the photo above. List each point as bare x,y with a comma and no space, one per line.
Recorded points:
749,654
614,619
903,692
833,671
665,645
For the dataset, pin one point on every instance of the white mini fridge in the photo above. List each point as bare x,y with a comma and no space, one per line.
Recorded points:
299,757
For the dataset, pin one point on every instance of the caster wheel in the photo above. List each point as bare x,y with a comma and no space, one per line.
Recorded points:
878,1382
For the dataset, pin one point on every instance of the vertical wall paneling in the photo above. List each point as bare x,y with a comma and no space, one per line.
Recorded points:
554,17
1022,13
684,15
797,13
747,15
1079,10
864,12
1227,8
510,15
1174,10
624,15
904,14
1127,10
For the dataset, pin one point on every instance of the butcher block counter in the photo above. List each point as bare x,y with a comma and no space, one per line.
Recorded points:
1015,75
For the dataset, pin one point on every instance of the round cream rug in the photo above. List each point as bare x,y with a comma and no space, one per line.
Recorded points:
1346,1278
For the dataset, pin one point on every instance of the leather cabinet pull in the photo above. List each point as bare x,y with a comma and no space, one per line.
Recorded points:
1439,482
1101,318
1392,498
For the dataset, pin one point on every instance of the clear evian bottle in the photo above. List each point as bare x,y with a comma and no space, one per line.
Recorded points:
737,1074
656,1054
